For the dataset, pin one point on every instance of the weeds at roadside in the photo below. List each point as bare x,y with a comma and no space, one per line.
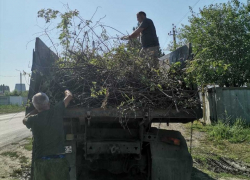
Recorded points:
224,149
17,172
237,132
11,154
4,109
23,160
28,146
22,173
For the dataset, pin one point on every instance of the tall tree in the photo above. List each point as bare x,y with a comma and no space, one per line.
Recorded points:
220,36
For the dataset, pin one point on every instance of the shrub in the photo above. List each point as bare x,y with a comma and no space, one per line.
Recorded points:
236,132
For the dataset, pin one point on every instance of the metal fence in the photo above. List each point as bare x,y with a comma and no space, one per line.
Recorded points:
4,100
15,100
227,104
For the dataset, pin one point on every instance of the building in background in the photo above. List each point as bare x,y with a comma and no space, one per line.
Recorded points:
20,87
3,89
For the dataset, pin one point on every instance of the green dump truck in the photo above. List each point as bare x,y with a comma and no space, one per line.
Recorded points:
104,144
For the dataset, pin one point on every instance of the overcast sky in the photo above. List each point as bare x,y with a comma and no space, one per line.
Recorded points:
19,25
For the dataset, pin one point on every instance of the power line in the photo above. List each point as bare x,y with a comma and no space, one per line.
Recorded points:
187,13
181,20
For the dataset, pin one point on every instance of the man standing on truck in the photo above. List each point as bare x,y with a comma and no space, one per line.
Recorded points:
149,39
46,124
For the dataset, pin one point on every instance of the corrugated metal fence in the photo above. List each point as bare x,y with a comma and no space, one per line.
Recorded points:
227,104
15,100
4,100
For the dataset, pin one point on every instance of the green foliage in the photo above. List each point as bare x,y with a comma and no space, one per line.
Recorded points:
11,154
23,160
16,93
11,109
65,24
24,94
102,71
17,172
220,37
237,132
13,93
28,146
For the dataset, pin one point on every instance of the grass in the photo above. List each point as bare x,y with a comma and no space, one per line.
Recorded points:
228,140
4,109
11,154
224,175
221,140
28,146
236,132
23,159
17,172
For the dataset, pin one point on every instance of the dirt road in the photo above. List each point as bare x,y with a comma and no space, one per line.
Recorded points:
12,129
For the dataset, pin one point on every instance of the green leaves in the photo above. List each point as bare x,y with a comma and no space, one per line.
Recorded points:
103,71
64,25
47,14
220,39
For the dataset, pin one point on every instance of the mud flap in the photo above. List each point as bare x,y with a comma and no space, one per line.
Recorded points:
170,162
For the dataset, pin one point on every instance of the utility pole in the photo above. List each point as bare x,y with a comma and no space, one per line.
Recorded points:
21,81
174,35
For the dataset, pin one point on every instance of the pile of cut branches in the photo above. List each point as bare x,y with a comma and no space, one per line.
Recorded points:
102,71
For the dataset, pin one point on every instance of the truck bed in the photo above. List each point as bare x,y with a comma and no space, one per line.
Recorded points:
167,116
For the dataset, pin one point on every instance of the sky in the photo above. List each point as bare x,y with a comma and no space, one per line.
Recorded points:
19,25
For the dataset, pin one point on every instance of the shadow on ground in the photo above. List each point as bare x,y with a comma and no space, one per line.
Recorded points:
199,175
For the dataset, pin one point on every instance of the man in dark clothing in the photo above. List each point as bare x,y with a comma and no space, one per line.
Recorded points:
47,128
149,39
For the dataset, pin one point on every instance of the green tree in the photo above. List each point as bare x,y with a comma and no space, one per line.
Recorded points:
16,93
220,36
